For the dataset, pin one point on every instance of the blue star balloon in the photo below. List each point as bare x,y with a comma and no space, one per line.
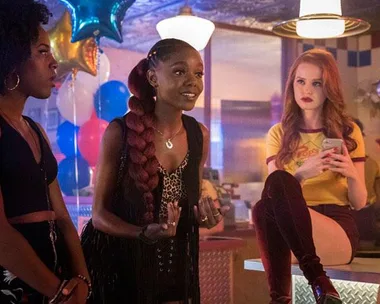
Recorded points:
97,18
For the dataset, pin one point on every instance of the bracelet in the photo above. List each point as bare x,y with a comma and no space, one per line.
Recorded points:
142,237
58,294
87,281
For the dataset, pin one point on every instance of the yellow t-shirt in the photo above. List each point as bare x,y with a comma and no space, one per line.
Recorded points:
328,187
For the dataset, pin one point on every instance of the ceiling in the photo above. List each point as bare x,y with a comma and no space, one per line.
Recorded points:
139,32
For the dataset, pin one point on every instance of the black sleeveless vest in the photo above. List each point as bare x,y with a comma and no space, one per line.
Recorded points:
127,269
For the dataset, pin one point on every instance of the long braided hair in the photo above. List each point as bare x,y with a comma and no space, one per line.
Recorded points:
142,162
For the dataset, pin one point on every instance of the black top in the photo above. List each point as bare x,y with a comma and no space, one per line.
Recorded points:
21,177
131,208
129,270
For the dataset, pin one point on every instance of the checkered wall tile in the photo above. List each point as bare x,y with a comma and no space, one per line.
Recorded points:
356,51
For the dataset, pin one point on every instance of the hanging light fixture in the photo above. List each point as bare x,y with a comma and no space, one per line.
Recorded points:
187,27
320,19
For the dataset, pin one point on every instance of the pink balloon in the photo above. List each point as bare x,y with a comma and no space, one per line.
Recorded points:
89,137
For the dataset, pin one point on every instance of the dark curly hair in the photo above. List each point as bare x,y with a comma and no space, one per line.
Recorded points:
143,164
19,23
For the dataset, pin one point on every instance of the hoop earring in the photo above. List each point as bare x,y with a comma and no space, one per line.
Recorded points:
16,85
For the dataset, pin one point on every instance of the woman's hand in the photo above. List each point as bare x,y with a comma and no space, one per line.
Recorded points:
207,213
342,163
167,228
80,293
67,295
314,166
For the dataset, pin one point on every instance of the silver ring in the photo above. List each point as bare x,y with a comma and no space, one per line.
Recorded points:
216,214
204,219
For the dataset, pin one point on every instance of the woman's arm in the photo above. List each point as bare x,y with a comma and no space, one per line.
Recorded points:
66,226
357,192
216,229
205,151
70,234
106,177
354,172
205,154
18,257
272,166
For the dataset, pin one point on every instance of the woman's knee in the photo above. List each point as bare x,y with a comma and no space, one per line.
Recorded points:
261,210
278,182
280,176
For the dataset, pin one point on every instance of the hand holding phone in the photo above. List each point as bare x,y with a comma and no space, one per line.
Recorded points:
331,143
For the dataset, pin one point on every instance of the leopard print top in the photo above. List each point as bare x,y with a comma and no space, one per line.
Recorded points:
173,186
169,261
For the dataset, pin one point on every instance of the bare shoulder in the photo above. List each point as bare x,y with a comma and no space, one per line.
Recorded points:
112,138
113,131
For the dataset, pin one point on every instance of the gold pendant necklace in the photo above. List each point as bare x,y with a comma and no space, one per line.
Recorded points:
168,142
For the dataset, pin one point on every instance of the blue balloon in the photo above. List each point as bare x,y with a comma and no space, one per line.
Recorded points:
97,18
66,134
68,180
111,99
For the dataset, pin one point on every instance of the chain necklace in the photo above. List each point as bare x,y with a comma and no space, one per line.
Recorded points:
168,142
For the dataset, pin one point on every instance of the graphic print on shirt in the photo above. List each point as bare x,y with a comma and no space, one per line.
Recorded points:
304,151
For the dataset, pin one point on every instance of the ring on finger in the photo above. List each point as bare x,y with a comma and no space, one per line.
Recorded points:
204,219
216,214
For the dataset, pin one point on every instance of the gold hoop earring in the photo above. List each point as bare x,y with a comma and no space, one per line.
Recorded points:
16,85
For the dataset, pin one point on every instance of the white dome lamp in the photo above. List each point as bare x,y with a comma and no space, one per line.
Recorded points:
187,27
321,19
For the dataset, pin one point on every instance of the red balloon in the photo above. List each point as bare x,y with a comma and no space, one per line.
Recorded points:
89,137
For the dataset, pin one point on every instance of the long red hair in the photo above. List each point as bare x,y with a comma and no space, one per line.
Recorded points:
336,122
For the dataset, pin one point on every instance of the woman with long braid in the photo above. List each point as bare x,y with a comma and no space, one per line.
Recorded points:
142,243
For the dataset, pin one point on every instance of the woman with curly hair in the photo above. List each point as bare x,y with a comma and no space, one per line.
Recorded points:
37,237
142,244
304,215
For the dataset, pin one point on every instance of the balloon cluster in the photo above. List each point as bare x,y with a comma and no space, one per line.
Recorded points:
86,99
87,104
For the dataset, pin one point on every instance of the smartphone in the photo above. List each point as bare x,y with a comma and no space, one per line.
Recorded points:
330,143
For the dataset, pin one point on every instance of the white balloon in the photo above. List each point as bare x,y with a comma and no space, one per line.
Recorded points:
104,68
75,101
93,83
